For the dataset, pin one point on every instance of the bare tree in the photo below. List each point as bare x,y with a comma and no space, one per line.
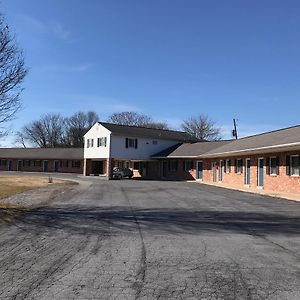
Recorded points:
77,126
134,119
202,128
48,132
12,73
53,130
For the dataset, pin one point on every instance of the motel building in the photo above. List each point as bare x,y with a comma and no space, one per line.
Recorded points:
110,145
265,162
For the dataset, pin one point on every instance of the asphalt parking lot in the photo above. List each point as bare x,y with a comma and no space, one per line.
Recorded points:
152,240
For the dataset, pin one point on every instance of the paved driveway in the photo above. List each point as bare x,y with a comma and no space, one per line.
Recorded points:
153,240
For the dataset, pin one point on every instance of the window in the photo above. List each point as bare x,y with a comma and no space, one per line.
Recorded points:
131,143
295,168
37,163
274,165
101,142
154,142
188,165
3,162
227,167
75,163
26,163
92,142
239,166
173,164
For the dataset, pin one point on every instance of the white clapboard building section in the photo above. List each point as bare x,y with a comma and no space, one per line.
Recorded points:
109,145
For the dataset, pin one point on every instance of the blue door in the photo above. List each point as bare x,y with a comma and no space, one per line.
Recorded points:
248,165
45,166
10,165
214,172
261,172
200,170
221,170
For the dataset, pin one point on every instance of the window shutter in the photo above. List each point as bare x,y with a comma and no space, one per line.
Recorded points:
183,165
235,166
268,165
242,165
126,143
105,141
192,165
288,165
136,143
169,165
176,165
277,165
229,165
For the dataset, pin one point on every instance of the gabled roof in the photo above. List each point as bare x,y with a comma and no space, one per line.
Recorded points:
278,140
191,150
41,153
136,131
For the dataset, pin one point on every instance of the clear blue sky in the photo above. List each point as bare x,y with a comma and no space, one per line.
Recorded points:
168,59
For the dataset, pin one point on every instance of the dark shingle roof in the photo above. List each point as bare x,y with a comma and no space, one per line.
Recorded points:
42,153
275,140
135,131
190,150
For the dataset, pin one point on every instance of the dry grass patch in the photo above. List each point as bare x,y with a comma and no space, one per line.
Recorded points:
12,185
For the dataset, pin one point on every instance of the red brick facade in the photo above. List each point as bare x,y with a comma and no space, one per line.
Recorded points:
43,165
281,182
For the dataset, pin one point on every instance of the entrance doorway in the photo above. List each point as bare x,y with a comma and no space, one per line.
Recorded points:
221,170
214,172
260,175
19,166
56,166
248,169
200,170
45,166
98,167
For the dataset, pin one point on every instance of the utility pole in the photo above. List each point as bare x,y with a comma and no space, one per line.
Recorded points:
234,131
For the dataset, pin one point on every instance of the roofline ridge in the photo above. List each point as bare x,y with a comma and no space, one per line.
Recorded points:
144,127
271,131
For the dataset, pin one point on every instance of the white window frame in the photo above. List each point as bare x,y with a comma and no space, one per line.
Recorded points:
291,166
270,166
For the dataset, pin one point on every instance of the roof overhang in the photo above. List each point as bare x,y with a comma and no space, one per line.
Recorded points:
259,150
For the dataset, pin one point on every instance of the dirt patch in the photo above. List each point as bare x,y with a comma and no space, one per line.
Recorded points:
15,185
18,194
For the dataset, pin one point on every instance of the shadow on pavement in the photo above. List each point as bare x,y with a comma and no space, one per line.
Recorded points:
83,220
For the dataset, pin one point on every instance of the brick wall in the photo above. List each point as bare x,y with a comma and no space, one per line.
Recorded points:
27,166
276,183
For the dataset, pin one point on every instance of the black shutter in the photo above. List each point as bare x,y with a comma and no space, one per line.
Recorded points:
288,165
183,165
277,165
136,143
242,165
229,166
169,165
268,165
126,143
192,165
176,165
235,166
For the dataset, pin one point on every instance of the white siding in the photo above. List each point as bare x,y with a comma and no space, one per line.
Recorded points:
145,149
97,131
